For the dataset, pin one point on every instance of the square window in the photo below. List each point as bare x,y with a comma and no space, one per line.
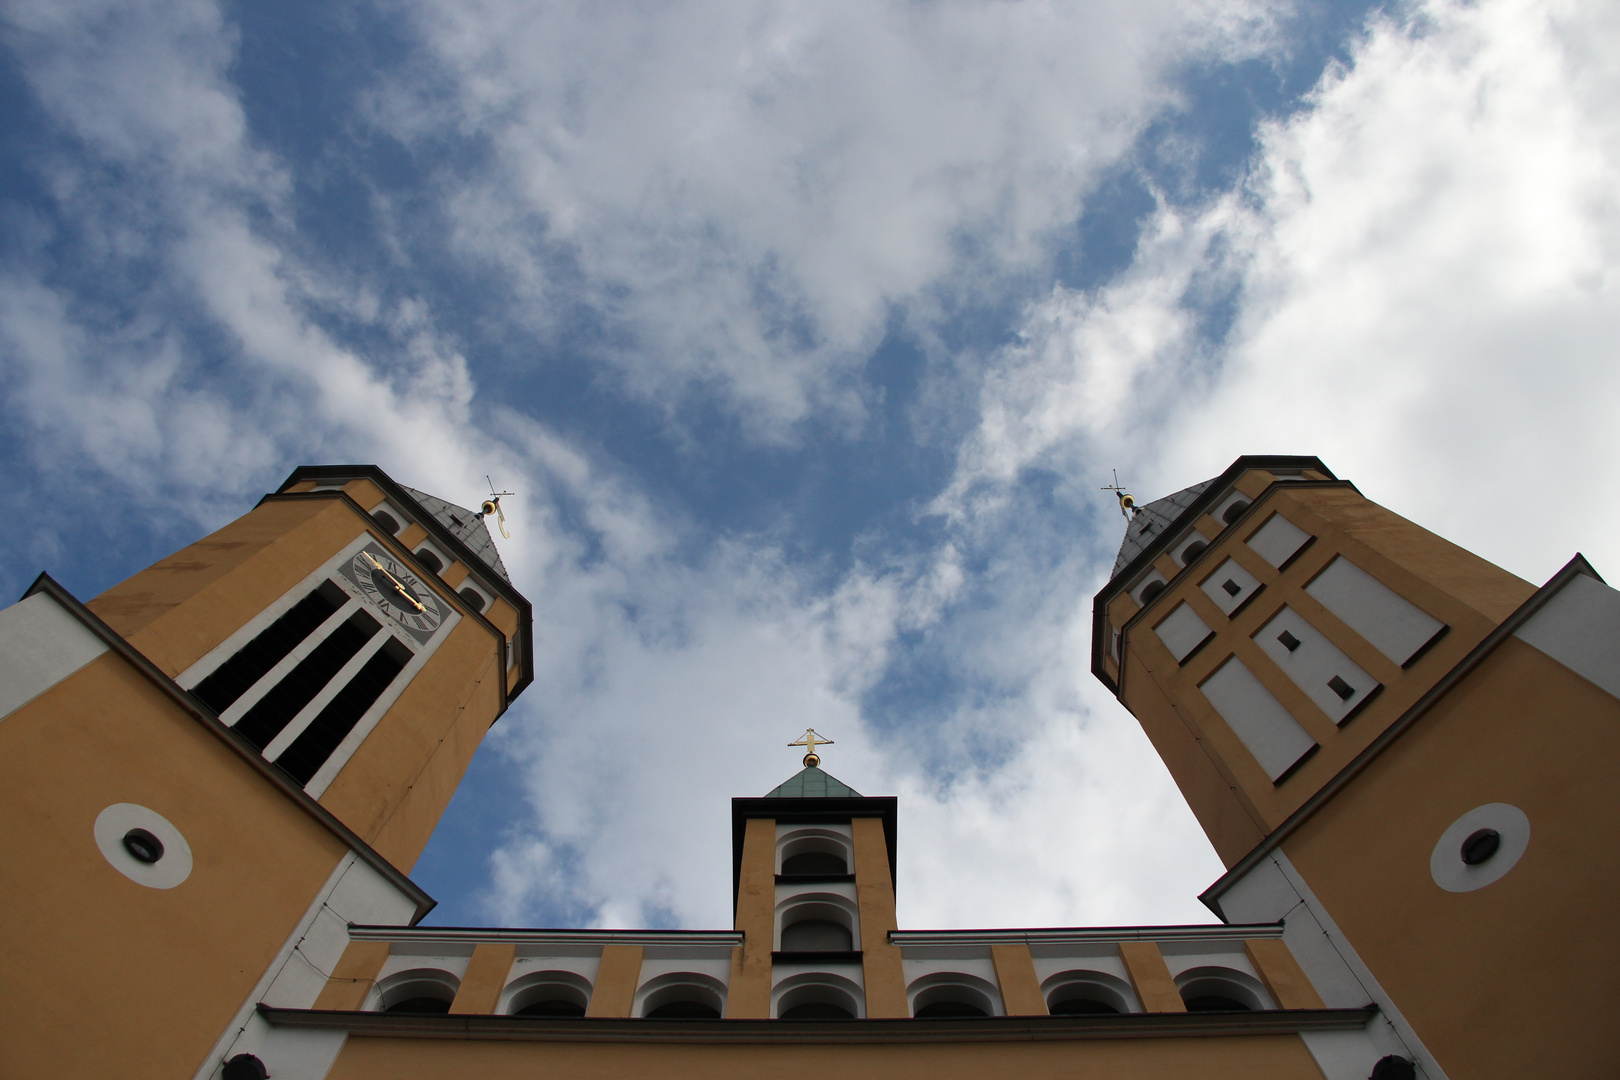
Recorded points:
1342,688
1232,588
1290,642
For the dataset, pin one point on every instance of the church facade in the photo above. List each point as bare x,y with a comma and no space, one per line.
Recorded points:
220,772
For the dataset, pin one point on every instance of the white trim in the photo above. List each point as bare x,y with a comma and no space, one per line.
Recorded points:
239,1023
1414,1046
1085,935
719,939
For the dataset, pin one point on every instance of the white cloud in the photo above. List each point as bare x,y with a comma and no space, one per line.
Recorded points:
1426,263
745,190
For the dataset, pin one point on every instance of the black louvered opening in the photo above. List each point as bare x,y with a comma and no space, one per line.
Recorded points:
287,698
304,758
237,675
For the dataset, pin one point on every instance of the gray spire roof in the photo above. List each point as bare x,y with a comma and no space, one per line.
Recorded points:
1152,519
812,783
468,526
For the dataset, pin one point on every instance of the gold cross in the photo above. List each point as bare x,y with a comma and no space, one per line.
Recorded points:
809,741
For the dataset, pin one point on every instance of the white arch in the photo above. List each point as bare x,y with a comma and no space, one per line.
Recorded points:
415,983
1238,985
818,905
1091,986
954,986
680,986
536,986
803,840
818,986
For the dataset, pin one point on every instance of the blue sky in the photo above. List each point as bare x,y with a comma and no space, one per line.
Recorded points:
806,335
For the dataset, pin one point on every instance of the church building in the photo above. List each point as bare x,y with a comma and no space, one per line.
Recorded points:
219,774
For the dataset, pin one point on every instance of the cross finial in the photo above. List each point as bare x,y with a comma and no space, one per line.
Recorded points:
1127,501
810,740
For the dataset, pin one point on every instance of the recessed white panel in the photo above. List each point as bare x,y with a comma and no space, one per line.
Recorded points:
1389,622
1182,631
1230,586
1277,540
40,645
1333,681
1580,628
1270,731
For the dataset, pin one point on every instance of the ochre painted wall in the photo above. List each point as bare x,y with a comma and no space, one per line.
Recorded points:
180,607
1464,592
1518,978
748,994
395,787
105,977
1274,1057
881,967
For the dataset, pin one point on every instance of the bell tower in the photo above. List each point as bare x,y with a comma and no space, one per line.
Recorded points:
1371,723
214,765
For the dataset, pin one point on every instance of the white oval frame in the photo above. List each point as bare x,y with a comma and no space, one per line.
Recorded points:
1446,865
113,823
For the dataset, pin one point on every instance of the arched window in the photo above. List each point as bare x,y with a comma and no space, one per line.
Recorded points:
1234,511
952,994
472,598
813,851
815,864
817,922
817,995
386,521
1214,989
422,990
683,995
817,935
1151,590
548,993
1192,551
1081,993
432,562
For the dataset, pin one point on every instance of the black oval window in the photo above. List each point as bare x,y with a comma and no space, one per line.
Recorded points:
429,560
1192,551
386,520
1234,511
1153,589
472,599
143,846
1480,846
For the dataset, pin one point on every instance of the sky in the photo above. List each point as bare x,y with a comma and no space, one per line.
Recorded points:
806,335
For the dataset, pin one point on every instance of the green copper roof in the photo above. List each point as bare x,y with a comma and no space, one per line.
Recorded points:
812,783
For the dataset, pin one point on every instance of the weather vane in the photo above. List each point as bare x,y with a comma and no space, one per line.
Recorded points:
492,505
810,740
1127,501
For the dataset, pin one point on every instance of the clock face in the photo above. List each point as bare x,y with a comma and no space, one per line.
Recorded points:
396,591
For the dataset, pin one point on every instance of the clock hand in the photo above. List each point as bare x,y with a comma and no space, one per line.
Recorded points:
395,580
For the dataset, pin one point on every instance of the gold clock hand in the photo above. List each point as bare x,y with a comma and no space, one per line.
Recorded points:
372,560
